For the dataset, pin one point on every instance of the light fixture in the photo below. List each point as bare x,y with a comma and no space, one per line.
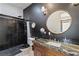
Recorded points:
44,10
42,30
33,25
49,33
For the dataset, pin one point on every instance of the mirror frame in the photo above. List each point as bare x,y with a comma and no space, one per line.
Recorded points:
61,32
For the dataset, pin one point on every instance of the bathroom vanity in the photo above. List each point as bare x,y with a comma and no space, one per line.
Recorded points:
40,50
57,23
44,47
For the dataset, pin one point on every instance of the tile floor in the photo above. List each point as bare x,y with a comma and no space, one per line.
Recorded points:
17,51
26,52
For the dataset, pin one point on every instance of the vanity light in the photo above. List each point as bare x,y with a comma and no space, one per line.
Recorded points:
42,30
49,33
44,10
33,25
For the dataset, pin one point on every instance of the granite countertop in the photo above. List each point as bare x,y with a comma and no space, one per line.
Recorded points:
68,49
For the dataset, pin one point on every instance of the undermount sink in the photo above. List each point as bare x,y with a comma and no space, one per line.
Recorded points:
56,44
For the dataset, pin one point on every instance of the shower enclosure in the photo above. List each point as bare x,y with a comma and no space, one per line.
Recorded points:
11,32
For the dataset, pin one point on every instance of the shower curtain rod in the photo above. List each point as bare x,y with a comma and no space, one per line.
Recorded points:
10,17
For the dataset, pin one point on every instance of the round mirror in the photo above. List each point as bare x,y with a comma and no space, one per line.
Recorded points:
59,22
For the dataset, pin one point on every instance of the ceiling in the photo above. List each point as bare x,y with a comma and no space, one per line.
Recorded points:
20,5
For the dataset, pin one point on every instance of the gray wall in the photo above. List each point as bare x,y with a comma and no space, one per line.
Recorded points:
35,14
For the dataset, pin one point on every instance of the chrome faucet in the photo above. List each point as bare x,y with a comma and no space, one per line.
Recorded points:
65,39
54,39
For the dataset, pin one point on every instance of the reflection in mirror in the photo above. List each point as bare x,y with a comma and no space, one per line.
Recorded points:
58,22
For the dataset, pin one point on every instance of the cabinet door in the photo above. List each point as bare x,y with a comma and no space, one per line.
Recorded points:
37,52
40,50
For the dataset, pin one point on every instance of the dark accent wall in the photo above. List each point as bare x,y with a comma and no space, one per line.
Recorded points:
36,15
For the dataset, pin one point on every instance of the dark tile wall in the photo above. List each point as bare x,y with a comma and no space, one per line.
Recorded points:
36,15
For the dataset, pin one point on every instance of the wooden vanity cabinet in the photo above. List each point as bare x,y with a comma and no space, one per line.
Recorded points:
52,53
40,50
